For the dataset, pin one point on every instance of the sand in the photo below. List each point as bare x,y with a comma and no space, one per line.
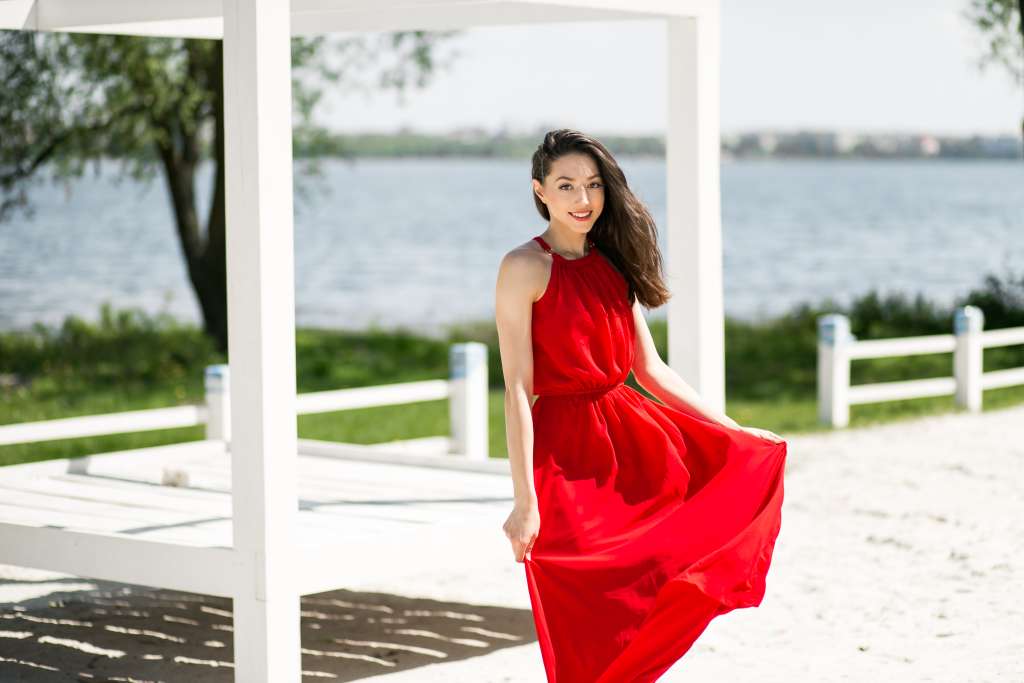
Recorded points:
901,557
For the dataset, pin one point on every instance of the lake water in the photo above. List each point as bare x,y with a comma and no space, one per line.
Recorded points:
417,242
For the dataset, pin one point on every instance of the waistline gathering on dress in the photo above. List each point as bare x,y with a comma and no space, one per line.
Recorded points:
584,393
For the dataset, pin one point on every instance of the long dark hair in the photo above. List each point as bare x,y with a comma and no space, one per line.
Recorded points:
625,231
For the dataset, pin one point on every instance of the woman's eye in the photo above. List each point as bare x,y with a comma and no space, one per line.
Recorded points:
596,184
563,186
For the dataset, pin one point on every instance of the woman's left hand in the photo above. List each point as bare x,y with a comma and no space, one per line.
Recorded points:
763,434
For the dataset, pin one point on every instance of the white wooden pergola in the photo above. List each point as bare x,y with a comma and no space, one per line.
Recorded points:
262,568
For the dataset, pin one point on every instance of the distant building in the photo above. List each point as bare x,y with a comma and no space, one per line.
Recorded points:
767,142
846,142
929,145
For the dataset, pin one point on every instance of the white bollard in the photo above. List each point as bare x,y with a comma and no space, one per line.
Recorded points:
968,323
834,369
218,402
467,408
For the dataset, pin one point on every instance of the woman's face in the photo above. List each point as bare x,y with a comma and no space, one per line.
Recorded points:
573,191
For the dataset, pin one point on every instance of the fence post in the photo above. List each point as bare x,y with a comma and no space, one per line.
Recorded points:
218,405
468,410
834,369
968,322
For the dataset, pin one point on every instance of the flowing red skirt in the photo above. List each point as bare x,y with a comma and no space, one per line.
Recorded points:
653,522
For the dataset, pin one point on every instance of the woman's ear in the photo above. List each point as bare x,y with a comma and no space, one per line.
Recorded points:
538,189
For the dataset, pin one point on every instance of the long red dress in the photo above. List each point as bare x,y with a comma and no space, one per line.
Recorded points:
653,521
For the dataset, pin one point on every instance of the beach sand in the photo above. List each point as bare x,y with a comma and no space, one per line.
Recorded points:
901,557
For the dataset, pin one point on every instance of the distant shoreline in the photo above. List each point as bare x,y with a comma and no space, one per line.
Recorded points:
318,143
754,145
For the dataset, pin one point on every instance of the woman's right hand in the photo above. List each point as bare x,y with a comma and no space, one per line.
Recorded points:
521,528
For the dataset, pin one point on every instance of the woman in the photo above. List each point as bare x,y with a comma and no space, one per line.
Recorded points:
638,521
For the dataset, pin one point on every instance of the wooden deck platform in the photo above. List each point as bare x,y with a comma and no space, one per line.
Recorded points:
362,510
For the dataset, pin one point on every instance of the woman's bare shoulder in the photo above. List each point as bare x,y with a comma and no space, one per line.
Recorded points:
525,268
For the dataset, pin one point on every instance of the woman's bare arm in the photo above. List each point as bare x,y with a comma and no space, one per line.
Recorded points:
654,375
521,279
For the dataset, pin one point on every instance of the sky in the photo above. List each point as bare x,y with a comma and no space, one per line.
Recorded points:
871,66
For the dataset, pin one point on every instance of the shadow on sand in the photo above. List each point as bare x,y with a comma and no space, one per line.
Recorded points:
121,632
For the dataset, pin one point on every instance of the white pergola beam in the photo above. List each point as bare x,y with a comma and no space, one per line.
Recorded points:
59,15
448,18
18,14
212,571
696,345
185,28
261,336
203,18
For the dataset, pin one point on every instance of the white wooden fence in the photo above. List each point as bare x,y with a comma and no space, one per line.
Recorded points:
466,389
837,347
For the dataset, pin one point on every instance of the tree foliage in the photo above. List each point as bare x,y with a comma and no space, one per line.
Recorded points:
156,106
1001,23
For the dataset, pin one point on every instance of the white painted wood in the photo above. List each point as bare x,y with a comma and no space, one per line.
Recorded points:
217,385
421,445
696,344
1008,336
468,409
453,17
967,384
997,379
261,336
652,8
93,425
368,397
348,506
123,496
903,346
891,391
203,18
111,506
142,18
418,19
198,459
211,29
57,15
447,18
379,454
471,540
968,322
834,344
215,414
116,558
18,14
168,533
182,18
149,458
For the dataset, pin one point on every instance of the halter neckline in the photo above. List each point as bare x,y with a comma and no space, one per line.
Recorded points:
547,248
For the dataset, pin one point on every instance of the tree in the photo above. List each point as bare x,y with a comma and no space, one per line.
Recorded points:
155,105
1001,22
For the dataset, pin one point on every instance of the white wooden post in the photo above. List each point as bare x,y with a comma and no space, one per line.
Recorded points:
968,322
261,337
468,404
696,321
834,369
218,402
